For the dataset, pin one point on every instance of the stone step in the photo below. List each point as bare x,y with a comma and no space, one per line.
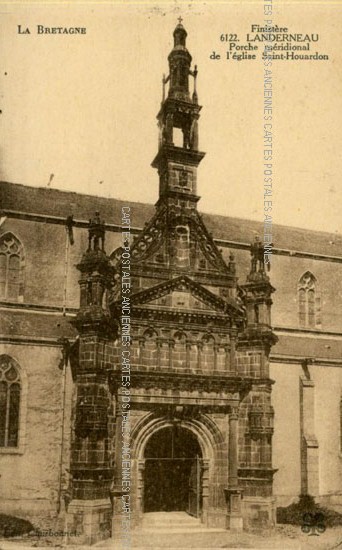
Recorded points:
171,526
176,530
169,521
185,517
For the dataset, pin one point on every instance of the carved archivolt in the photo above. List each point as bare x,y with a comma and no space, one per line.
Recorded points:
203,427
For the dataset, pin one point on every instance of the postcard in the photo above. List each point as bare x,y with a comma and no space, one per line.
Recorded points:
171,274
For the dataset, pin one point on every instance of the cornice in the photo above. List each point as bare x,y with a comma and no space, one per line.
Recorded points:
183,283
36,308
300,359
219,383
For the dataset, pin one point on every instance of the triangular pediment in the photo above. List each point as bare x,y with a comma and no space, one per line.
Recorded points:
160,245
183,293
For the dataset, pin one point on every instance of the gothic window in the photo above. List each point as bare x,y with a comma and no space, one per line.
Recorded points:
309,301
10,388
11,268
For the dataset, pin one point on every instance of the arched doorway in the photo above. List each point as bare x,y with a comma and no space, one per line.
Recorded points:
173,472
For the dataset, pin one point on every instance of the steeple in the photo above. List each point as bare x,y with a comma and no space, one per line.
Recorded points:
179,65
176,240
177,163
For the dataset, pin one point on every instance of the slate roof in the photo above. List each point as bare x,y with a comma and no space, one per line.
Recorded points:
53,202
27,324
308,347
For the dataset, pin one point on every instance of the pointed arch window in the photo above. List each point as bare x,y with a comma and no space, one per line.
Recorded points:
10,392
11,268
309,301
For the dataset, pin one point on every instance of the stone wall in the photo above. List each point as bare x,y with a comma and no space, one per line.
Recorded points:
322,410
30,478
32,475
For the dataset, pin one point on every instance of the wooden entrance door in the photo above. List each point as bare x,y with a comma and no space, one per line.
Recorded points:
195,488
172,476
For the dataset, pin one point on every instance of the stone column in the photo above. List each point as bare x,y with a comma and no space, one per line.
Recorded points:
140,349
188,349
171,346
117,495
227,360
233,366
118,449
216,348
233,450
233,493
199,358
159,343
139,493
205,491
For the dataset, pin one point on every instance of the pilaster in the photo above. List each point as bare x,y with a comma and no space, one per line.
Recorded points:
309,442
233,493
89,511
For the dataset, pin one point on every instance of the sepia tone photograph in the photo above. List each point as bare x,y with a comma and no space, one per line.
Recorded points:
171,275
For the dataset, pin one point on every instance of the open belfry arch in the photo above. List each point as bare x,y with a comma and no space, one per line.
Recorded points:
200,395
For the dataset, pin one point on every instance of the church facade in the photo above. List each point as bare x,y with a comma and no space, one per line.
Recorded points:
169,337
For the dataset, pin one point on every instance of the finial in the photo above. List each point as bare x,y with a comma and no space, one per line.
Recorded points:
194,95
179,34
163,81
232,265
96,232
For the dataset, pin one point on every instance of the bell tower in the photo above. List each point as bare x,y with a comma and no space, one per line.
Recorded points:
179,112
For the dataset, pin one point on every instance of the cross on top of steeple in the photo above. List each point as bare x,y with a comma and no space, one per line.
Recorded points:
180,20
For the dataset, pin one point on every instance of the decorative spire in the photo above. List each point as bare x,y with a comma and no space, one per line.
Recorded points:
179,34
194,95
179,64
178,150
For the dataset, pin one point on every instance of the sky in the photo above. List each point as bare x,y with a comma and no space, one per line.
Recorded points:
79,111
